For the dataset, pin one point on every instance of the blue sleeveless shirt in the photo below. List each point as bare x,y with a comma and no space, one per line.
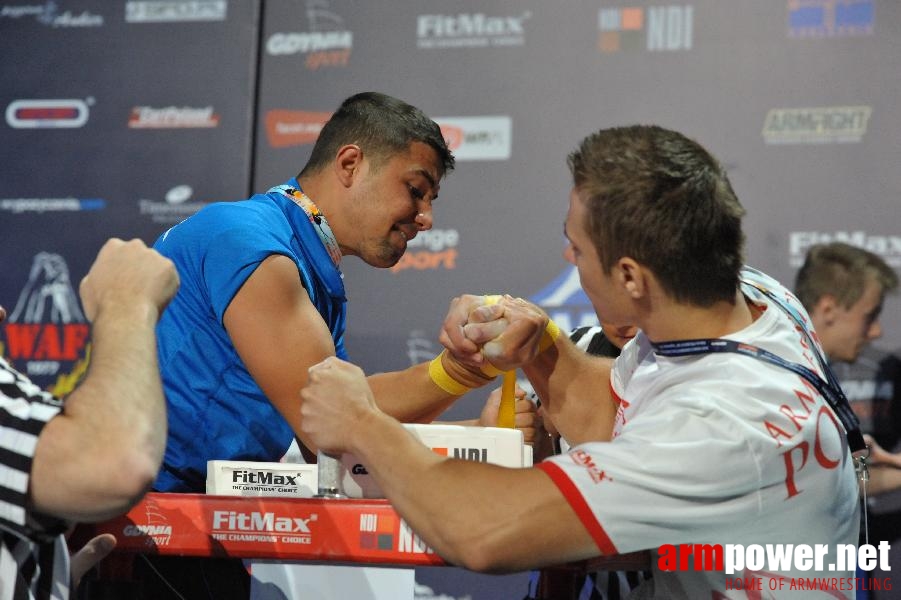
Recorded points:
216,411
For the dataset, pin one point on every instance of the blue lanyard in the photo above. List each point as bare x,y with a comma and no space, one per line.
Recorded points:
828,388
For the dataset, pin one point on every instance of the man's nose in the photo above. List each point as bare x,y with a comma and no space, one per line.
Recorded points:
875,330
424,220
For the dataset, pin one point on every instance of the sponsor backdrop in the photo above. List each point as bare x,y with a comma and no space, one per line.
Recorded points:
124,118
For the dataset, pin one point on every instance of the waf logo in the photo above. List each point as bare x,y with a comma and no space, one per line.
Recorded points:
49,114
47,331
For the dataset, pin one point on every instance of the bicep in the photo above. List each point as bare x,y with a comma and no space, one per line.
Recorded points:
278,333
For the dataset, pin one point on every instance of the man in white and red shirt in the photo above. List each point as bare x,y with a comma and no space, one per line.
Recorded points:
715,449
710,428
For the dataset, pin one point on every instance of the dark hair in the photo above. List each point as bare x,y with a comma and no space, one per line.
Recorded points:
382,126
660,198
840,270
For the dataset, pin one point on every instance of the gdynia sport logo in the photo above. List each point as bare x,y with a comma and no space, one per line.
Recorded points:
782,566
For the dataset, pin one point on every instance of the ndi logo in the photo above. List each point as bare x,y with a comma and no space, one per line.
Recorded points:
657,28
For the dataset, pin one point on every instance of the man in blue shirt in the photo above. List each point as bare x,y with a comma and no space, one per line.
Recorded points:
262,297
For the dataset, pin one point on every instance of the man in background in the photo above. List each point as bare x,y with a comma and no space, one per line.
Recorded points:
843,288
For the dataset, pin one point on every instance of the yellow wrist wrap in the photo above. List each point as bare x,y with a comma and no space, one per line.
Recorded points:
550,335
443,380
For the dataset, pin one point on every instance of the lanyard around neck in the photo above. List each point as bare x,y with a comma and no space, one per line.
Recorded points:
828,388
296,195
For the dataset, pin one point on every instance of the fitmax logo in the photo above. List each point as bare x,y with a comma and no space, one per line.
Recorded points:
263,478
464,25
470,30
256,521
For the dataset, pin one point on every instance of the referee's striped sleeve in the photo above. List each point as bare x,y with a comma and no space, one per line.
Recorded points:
24,411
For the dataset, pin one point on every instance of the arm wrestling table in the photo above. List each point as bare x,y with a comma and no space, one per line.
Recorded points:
292,529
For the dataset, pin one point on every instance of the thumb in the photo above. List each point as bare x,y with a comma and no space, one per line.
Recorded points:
90,554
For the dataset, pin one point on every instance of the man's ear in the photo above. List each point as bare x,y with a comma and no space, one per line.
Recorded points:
348,161
631,276
825,310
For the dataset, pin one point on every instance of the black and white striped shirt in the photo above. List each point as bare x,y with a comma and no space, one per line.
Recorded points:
34,560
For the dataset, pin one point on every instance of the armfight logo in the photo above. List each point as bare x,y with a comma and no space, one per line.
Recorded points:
326,42
47,333
817,125
655,28
830,18
888,247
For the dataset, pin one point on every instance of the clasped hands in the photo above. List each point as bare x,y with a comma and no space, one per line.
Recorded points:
495,333
483,336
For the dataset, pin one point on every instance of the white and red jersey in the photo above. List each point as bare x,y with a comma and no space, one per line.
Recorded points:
717,448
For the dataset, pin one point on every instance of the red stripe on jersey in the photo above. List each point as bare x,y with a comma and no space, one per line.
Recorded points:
614,395
578,504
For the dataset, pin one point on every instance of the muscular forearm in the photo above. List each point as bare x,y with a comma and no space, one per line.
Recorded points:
410,396
574,389
98,457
